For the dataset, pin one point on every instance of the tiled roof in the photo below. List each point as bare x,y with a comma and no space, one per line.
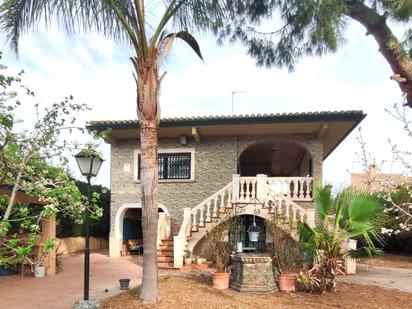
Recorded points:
235,119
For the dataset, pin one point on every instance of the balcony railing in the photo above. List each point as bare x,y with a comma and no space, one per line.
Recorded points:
295,188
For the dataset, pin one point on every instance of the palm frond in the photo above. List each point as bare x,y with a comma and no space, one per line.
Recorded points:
323,201
191,41
363,253
363,208
18,16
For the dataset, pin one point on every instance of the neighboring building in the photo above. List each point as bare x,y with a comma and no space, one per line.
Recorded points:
209,164
373,181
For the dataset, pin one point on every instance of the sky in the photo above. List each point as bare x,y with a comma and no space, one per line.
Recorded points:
98,72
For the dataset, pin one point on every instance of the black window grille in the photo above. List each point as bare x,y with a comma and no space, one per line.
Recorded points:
172,165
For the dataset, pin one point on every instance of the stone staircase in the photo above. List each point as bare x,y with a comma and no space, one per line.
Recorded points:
244,192
165,253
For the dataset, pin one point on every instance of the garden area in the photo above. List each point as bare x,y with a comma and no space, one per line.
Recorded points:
196,292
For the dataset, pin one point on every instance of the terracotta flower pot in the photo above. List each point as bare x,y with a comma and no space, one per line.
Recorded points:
287,282
220,280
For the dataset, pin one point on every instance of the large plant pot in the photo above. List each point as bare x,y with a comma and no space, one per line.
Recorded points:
220,280
287,282
39,271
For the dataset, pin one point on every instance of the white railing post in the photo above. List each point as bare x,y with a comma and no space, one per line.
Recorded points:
178,251
187,219
235,187
350,264
180,241
261,182
310,220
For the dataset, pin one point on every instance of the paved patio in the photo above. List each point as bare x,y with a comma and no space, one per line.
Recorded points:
387,277
62,290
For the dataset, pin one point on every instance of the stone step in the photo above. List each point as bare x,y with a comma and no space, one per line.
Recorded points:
167,242
165,265
165,247
164,253
162,258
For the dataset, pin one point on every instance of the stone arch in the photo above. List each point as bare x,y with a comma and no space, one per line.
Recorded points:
201,245
276,158
199,236
116,240
118,226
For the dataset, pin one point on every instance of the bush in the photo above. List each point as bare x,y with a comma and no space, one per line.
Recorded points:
401,243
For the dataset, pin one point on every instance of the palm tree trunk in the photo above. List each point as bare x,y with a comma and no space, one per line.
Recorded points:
389,45
149,114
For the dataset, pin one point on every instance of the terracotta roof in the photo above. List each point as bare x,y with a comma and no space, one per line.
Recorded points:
234,119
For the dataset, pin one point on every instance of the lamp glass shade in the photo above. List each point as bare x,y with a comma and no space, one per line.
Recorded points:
89,165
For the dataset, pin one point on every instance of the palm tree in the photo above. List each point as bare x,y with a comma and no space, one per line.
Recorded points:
350,214
123,20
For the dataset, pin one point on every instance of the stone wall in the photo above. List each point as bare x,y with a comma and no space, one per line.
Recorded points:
215,162
70,245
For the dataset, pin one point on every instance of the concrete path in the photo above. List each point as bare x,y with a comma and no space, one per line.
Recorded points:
387,277
62,290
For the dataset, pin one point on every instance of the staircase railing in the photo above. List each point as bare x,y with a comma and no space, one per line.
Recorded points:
295,188
290,209
243,190
211,207
198,216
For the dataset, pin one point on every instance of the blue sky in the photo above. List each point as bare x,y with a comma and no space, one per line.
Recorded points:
96,71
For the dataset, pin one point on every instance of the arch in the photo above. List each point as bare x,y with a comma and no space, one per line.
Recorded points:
118,221
276,158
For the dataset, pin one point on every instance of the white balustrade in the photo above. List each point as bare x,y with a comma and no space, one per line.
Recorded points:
298,212
210,208
296,188
201,220
282,191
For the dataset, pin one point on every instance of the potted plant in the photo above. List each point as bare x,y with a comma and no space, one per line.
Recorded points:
221,250
39,268
189,257
287,256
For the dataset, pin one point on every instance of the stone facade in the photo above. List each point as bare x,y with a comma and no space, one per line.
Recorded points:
215,163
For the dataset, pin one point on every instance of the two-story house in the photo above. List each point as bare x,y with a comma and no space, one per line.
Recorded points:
210,164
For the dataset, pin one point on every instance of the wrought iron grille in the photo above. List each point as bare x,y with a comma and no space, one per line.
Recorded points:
172,165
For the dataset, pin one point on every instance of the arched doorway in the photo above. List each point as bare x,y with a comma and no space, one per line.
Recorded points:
276,159
128,225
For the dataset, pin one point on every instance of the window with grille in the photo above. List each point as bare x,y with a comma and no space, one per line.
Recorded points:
172,165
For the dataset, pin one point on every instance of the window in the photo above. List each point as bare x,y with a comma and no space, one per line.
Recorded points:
173,164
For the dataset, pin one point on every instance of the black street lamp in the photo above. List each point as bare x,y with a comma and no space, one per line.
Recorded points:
89,165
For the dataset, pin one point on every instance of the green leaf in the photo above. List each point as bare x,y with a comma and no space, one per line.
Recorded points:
323,201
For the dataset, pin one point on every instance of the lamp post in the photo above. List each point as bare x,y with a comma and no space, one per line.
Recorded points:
89,165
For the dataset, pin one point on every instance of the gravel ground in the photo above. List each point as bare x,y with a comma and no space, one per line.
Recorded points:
196,292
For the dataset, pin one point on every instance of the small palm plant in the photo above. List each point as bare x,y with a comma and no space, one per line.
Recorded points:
351,214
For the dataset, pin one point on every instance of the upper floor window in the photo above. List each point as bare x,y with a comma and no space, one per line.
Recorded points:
173,164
